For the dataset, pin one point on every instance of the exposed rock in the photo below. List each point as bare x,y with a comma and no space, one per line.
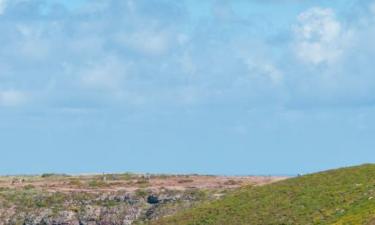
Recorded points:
108,199
153,199
105,209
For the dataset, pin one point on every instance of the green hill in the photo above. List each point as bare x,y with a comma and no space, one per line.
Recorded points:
335,197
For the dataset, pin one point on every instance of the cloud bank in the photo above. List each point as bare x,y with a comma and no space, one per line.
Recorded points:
124,54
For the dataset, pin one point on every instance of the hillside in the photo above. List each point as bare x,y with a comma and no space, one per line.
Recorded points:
108,199
336,197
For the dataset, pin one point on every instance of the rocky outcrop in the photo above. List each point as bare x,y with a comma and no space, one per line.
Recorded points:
105,199
97,209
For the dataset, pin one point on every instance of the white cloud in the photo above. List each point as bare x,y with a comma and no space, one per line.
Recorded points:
2,6
320,37
12,98
88,54
146,41
29,43
264,70
108,74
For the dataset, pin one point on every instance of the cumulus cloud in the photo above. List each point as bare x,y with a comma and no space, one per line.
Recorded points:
265,70
12,98
108,74
133,49
320,37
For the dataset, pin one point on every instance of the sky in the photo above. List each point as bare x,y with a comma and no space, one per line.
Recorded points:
233,87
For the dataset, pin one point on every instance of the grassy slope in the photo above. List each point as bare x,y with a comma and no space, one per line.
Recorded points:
336,197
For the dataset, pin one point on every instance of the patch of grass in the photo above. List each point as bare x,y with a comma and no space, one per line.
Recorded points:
337,197
197,194
142,183
30,198
28,187
141,193
97,184
75,182
232,182
47,175
126,176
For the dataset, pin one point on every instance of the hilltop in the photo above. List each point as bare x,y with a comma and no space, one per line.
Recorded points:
106,199
336,197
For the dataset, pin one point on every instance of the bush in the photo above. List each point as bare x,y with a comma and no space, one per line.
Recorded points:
141,193
97,184
28,187
185,181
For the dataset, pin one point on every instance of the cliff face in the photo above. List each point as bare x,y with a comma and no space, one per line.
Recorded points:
117,208
107,199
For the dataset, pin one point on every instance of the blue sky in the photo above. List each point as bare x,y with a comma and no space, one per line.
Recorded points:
218,87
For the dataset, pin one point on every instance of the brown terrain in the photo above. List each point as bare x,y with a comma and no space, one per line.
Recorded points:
110,199
131,182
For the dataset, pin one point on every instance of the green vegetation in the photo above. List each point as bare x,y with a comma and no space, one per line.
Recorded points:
142,193
101,198
143,183
75,182
29,198
337,197
97,184
47,175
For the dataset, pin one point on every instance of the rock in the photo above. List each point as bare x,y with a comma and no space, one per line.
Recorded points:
115,208
152,199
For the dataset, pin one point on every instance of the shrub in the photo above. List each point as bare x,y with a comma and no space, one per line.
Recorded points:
185,181
141,193
97,184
